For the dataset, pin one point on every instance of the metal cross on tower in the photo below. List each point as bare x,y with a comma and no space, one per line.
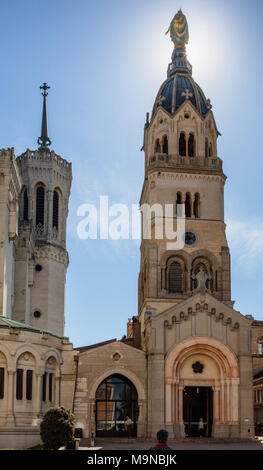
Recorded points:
44,140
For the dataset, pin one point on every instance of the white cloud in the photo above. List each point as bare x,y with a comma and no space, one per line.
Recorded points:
246,244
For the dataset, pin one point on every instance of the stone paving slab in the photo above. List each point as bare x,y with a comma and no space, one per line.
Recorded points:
193,444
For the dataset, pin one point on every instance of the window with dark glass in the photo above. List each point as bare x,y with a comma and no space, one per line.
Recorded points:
175,277
182,145
191,145
40,205
50,387
196,206
165,144
44,386
19,384
2,382
55,209
116,399
188,205
29,384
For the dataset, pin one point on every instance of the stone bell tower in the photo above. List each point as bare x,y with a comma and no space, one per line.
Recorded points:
41,257
198,347
182,166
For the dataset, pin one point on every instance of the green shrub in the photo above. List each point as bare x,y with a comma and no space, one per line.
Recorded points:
57,428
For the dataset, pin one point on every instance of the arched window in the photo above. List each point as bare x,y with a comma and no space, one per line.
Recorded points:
210,150
116,399
178,201
48,382
182,144
24,376
175,278
188,205
40,205
157,148
196,206
165,144
191,145
25,205
55,209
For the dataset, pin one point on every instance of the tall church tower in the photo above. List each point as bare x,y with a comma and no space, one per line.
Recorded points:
182,166
41,257
198,348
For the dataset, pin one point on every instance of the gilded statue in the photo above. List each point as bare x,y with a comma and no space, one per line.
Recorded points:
179,30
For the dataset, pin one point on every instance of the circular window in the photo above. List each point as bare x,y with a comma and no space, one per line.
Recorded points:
37,314
38,267
190,238
186,116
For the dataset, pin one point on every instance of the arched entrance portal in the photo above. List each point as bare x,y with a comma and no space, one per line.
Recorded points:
201,381
198,404
116,401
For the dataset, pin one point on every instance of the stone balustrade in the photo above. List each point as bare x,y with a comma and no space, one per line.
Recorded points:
162,160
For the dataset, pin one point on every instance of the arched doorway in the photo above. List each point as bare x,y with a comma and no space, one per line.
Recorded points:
201,381
116,399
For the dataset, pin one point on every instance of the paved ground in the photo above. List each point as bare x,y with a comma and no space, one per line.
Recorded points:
186,444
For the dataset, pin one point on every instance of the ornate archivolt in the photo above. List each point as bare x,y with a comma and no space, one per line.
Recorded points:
221,373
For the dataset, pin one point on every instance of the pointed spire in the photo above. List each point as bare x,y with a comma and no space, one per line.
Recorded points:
44,140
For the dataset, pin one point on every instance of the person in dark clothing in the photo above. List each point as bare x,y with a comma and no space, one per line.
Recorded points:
162,438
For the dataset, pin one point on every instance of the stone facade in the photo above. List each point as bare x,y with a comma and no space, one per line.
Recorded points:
187,340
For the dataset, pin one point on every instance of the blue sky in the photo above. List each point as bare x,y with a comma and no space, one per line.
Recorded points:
105,61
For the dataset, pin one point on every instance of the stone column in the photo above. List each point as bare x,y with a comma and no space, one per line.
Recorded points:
216,405
222,402
57,391
37,399
10,419
180,404
234,394
168,403
186,144
228,401
192,205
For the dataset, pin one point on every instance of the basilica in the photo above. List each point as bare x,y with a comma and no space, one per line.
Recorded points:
187,354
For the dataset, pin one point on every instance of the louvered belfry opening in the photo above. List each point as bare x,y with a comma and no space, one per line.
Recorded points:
188,205
191,145
55,209
40,206
165,144
175,278
182,145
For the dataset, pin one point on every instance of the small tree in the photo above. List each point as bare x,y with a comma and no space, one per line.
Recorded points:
57,428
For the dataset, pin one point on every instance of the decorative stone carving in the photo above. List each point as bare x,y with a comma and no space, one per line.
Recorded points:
116,357
198,367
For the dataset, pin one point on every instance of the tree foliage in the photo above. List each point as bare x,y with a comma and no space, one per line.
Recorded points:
57,428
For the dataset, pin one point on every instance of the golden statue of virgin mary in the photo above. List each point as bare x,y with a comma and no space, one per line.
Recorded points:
179,30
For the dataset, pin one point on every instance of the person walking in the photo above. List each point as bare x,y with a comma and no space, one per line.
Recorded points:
201,427
162,438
